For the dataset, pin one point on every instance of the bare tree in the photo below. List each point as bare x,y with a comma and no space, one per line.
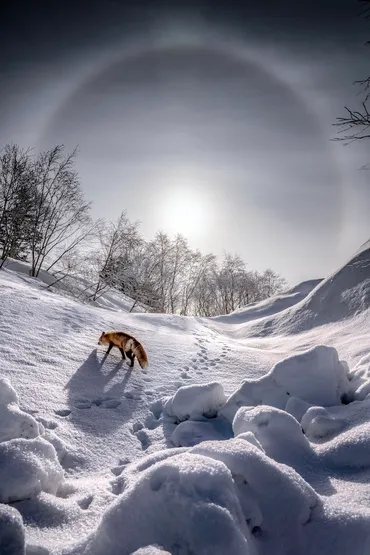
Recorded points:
198,267
16,206
355,124
61,213
228,281
179,260
112,261
159,254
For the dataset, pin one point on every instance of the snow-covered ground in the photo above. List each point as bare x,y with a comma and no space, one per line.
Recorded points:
246,434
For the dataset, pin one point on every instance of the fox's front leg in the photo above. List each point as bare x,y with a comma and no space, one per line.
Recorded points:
109,349
122,353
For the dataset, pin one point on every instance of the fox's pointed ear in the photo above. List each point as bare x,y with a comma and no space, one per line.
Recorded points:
103,332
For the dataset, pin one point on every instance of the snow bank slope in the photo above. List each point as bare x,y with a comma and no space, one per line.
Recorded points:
270,306
109,432
342,295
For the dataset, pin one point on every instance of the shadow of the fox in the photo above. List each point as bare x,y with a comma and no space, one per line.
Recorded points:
90,384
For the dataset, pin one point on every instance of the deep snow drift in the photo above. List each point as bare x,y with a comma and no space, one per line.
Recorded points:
343,295
245,435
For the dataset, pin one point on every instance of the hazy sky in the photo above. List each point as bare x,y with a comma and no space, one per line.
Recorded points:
209,118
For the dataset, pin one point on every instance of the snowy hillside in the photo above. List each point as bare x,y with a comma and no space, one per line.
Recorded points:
342,295
272,305
246,434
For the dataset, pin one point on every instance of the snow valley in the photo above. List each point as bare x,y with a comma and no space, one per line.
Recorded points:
247,433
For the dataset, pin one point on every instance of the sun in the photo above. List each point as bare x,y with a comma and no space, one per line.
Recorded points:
184,212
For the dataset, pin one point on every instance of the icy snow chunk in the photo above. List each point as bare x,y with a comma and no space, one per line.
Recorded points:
12,532
16,424
194,401
315,376
7,393
28,467
185,503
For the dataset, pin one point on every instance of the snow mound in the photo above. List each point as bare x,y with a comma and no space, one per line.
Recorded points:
14,422
276,501
339,424
185,503
360,379
28,462
346,430
225,497
195,401
151,550
28,467
279,433
12,532
318,423
17,424
315,376
344,294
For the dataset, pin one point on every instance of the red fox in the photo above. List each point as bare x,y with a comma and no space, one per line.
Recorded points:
127,344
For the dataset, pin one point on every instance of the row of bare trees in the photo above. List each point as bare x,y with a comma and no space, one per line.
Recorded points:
166,275
45,220
43,213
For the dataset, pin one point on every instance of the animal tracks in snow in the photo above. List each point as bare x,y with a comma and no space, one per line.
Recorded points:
84,404
201,363
63,412
106,403
85,502
152,421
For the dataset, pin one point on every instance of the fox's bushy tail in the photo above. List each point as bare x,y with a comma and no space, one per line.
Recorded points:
140,354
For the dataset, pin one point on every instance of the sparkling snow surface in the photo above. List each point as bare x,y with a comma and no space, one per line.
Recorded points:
246,434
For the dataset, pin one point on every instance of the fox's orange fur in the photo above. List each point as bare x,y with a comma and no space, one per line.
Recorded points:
127,344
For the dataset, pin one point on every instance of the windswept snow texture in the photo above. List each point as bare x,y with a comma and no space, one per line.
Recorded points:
247,434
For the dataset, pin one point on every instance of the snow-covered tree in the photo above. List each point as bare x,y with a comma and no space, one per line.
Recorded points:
61,214
16,202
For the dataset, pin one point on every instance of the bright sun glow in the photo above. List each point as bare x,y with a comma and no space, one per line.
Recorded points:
185,212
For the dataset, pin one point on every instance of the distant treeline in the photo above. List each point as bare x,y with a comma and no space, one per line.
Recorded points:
45,220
